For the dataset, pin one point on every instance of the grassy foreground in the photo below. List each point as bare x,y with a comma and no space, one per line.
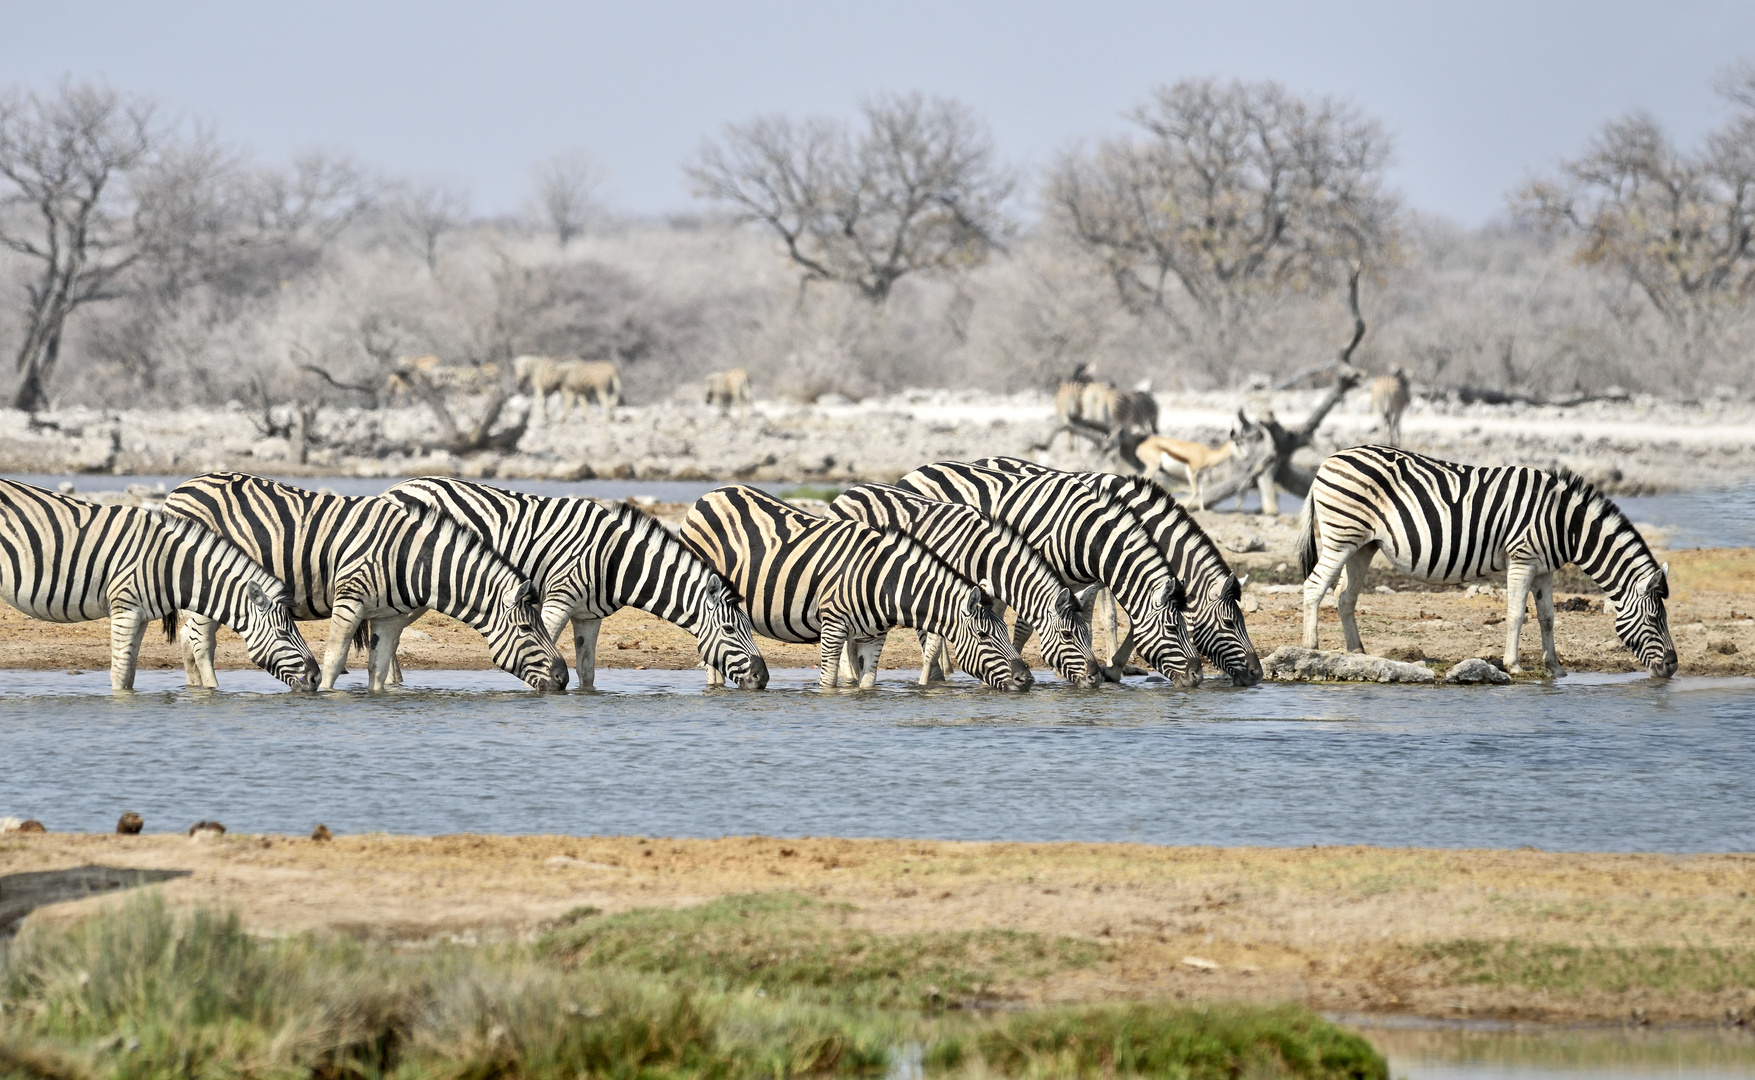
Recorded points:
773,985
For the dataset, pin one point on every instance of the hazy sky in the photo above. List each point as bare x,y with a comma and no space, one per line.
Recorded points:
1476,93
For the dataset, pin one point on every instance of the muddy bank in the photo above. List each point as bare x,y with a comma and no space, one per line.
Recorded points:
1353,929
1644,445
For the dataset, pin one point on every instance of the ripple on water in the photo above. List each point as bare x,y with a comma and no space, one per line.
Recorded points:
1589,763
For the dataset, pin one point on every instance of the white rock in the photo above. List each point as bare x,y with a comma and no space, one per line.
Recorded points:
1290,663
1473,671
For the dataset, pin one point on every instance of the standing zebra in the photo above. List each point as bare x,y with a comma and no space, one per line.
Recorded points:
983,550
384,561
805,578
1086,540
1215,594
588,559
67,560
1454,523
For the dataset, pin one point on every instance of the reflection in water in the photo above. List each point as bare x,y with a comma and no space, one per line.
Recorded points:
1621,1053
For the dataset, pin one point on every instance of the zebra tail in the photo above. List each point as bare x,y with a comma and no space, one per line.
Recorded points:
170,625
362,636
1307,536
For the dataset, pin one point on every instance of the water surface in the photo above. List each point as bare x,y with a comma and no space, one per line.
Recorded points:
1619,763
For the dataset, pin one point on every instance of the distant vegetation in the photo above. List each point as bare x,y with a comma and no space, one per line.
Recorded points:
744,987
144,261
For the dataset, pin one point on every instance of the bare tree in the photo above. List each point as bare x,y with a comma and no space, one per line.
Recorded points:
63,156
426,212
1676,224
1235,191
314,199
566,193
918,190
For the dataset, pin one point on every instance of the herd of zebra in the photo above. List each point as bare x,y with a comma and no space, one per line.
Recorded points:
944,552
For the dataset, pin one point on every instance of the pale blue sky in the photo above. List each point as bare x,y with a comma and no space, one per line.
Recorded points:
1477,93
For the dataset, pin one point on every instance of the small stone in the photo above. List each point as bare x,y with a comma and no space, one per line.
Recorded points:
1290,663
31,825
1199,963
1723,648
212,827
130,824
1474,671
322,833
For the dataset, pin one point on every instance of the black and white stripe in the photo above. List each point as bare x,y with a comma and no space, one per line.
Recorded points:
1454,523
1215,593
67,560
1087,540
589,559
355,559
983,550
804,578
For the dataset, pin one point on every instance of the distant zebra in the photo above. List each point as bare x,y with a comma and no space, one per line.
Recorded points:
982,549
1087,540
67,560
355,558
589,559
1453,523
1215,594
804,578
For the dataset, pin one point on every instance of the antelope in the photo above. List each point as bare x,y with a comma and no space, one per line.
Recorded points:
1389,399
1158,452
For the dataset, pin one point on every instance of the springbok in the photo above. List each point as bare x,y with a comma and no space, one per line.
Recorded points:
728,388
1158,452
1389,399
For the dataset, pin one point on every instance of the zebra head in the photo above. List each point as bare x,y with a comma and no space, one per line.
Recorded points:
726,639
1219,633
981,645
519,643
1643,625
1066,642
1162,634
264,620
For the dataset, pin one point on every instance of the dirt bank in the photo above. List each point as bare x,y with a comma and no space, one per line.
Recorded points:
1438,933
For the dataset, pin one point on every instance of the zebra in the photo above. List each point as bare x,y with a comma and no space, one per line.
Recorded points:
837,582
1215,593
1446,522
588,559
68,560
984,550
385,561
1087,541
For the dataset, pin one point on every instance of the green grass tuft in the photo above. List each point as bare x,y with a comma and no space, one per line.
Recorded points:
1580,969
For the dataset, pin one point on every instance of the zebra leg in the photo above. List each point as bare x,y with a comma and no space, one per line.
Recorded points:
197,641
381,653
395,628
1106,635
866,661
1352,581
1543,586
929,669
833,641
127,631
849,663
1317,585
1517,590
344,619
585,654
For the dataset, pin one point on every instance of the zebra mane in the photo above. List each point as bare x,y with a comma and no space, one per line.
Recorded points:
1200,538
1574,485
198,535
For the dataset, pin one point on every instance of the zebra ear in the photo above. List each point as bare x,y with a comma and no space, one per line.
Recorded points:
1242,582
975,605
256,596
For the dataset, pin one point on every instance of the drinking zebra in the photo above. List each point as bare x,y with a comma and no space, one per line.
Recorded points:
1087,540
804,578
1215,594
356,558
981,549
589,559
1454,523
67,560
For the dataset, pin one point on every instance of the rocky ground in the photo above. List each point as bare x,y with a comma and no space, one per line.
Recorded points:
1557,936
1643,445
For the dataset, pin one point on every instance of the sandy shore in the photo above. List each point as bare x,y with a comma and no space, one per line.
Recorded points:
1351,929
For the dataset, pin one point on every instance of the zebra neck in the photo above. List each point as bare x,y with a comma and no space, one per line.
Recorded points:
1604,545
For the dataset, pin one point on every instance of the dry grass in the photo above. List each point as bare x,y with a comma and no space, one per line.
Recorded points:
1338,928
